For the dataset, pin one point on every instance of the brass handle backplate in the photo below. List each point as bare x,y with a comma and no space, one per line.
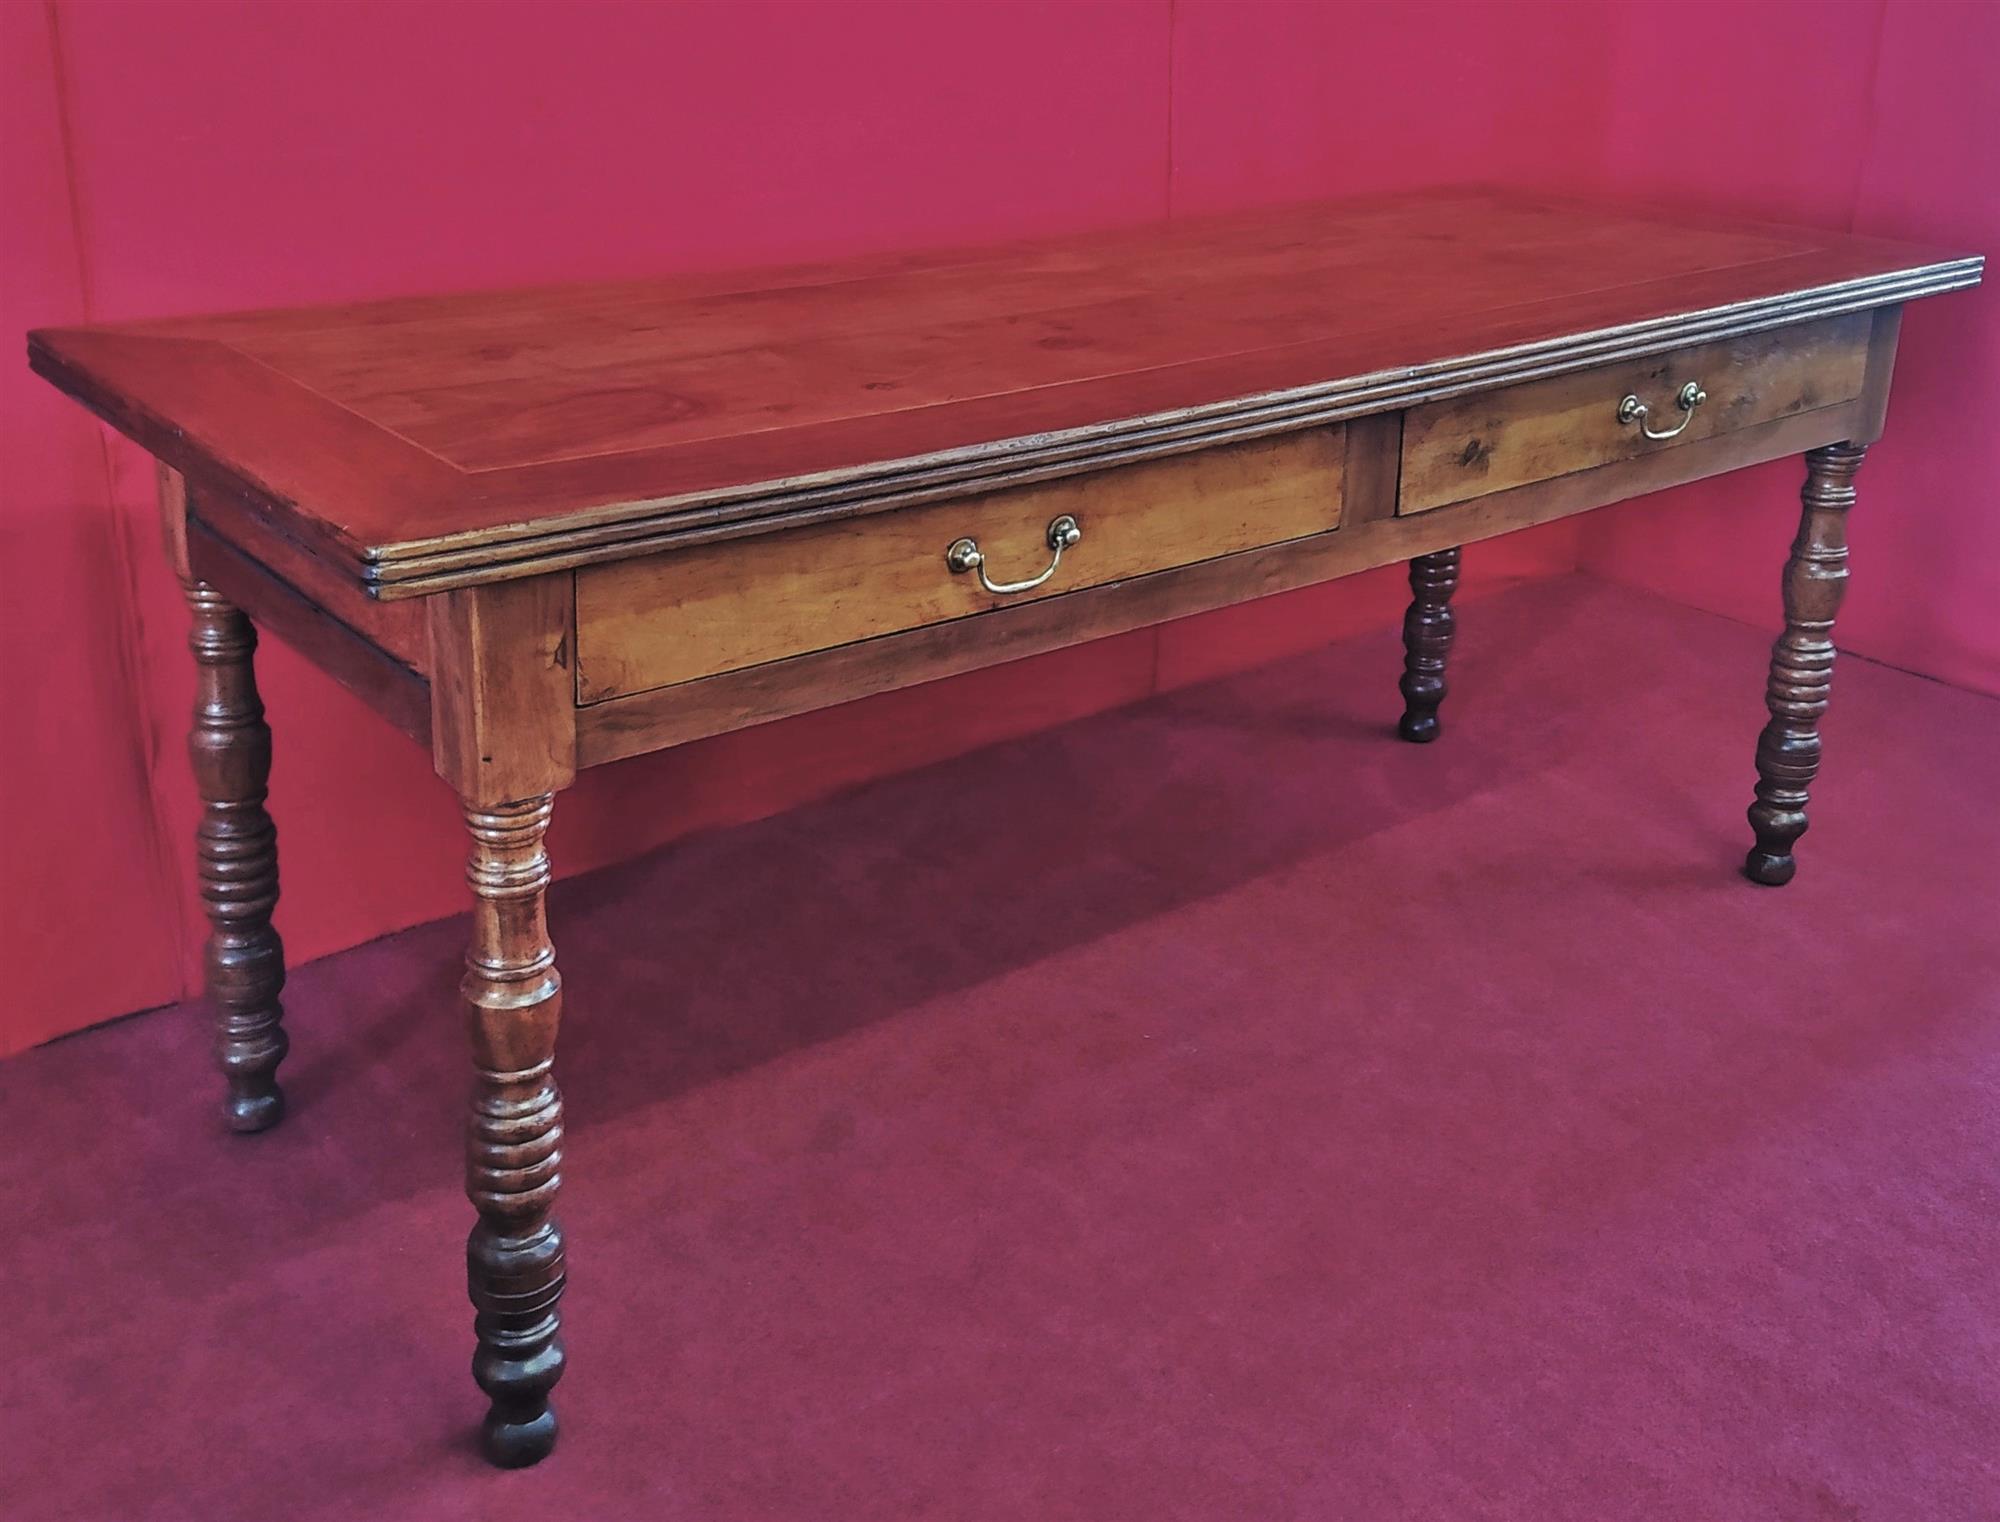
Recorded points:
1691,396
965,555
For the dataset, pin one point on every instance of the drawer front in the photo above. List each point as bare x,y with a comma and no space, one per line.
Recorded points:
685,614
1472,446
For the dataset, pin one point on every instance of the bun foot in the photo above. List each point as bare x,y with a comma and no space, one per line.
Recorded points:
1419,728
1770,868
247,1113
517,1444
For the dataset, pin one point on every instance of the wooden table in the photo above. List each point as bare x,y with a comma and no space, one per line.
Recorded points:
540,530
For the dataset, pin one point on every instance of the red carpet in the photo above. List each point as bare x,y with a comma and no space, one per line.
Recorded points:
1213,1110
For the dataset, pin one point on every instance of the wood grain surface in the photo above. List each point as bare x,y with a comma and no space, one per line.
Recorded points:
1500,439
673,617
445,441
646,721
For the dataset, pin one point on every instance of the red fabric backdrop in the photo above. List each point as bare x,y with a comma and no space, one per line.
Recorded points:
189,154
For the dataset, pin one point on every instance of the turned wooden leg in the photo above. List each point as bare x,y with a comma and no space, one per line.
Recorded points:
1788,750
237,849
514,1259
1427,630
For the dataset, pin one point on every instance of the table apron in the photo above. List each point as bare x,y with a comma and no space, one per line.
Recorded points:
1371,534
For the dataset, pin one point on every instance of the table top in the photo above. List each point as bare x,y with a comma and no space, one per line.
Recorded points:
445,440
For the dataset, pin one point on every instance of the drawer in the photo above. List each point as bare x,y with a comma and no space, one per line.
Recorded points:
1472,446
684,614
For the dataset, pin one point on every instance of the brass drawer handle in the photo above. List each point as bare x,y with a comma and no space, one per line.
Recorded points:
1691,396
965,555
